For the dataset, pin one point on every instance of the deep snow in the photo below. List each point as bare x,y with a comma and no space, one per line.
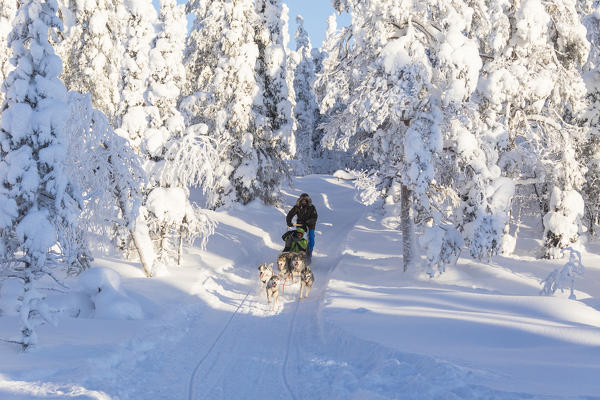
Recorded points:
366,331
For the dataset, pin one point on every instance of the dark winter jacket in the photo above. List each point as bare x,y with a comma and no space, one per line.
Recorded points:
305,214
294,242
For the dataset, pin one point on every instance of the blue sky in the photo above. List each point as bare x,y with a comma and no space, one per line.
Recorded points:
315,13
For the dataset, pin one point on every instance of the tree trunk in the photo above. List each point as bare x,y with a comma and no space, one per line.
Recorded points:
161,248
28,335
141,253
407,227
137,240
180,247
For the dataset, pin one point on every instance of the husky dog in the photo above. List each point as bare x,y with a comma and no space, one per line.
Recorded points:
265,273
306,281
273,290
298,262
283,264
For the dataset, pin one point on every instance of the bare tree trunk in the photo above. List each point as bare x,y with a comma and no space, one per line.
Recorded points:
407,227
138,247
180,247
161,248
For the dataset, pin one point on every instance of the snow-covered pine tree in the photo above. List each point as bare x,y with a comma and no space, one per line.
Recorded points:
332,88
92,53
293,167
306,110
532,85
201,54
332,84
136,33
175,157
224,91
591,149
8,9
273,119
39,203
408,65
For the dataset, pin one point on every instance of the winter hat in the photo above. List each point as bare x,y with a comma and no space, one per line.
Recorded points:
304,196
300,230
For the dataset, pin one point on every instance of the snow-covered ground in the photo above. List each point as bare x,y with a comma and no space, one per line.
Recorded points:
366,331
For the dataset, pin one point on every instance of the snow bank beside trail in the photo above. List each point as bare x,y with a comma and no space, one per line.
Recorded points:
484,316
344,175
17,390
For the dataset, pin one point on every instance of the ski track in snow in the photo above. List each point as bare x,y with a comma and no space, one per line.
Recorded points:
193,378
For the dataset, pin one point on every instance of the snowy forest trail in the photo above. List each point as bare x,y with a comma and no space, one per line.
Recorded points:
208,332
269,351
238,348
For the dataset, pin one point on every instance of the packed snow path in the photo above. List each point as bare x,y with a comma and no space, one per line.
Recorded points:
269,351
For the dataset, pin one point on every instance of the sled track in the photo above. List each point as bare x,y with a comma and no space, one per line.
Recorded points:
210,349
287,352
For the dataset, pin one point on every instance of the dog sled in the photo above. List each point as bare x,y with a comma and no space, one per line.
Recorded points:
292,265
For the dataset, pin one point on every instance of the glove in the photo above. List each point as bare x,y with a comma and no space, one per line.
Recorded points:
290,225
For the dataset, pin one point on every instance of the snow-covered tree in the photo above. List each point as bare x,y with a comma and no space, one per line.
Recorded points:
272,108
306,110
271,27
532,92
410,68
39,203
591,149
202,53
111,178
176,157
136,33
92,53
332,89
8,9
224,95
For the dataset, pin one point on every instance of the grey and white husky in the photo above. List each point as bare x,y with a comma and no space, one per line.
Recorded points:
307,279
273,290
283,264
298,263
265,273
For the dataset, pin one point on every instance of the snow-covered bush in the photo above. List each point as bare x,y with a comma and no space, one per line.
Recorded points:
175,221
563,220
442,245
101,289
561,278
